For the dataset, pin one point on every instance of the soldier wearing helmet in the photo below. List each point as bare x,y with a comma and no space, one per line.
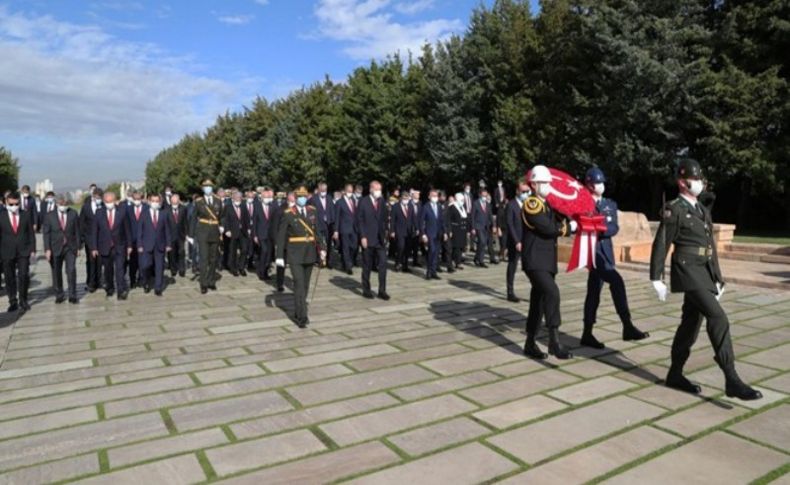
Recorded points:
539,260
604,270
687,224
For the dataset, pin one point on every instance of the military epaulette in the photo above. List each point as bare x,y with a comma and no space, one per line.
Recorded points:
309,208
292,210
533,205
667,211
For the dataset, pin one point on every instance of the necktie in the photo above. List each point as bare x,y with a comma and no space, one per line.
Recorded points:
353,204
266,211
405,212
110,215
14,223
137,213
301,212
376,205
156,218
435,211
209,200
175,215
49,207
238,212
62,221
249,209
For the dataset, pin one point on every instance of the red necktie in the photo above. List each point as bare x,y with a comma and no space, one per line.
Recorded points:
353,205
137,213
376,205
249,209
238,213
405,212
175,215
14,223
62,221
266,211
156,218
110,218
484,206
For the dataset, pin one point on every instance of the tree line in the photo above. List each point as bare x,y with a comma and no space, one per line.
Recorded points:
628,85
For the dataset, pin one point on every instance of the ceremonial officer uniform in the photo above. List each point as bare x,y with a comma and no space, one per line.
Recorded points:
298,232
604,270
206,233
539,260
695,272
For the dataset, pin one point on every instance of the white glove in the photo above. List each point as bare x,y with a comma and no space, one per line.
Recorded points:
221,229
323,254
661,289
719,291
190,241
574,225
280,262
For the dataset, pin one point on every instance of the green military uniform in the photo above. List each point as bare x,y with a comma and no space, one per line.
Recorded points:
207,237
298,236
695,271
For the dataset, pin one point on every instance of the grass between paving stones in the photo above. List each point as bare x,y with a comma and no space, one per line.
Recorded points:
208,469
773,475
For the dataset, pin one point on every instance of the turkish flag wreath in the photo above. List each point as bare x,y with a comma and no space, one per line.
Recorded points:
569,197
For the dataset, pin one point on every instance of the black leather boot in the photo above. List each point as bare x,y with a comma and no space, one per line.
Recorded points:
556,348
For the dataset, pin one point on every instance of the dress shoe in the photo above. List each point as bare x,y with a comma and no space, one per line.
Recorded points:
435,277
397,268
266,277
679,382
532,350
280,289
630,332
212,287
451,270
301,323
24,305
203,290
384,296
513,298
736,388
147,289
243,272
588,340
556,348
91,289
173,273
123,296
60,300
158,292
439,270
235,273
73,301
182,273
368,294
132,285
110,293
349,272
13,307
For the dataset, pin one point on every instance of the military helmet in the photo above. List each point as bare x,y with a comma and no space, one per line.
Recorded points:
301,191
594,175
207,183
539,173
689,168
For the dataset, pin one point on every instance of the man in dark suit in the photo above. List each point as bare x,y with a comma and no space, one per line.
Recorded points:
253,205
153,242
46,206
500,198
92,263
236,223
346,234
28,204
539,260
177,217
402,231
433,233
482,222
264,232
134,212
325,208
415,247
61,233
514,234
17,248
687,224
111,238
371,221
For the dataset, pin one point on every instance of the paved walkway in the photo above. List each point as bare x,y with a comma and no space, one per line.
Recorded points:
429,387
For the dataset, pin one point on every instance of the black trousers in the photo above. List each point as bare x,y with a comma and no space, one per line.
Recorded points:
114,264
17,278
348,249
595,280
415,247
697,305
513,258
264,257
432,262
225,245
177,257
70,259
380,256
92,269
301,278
152,268
458,253
209,253
237,254
544,299
402,251
481,243
133,266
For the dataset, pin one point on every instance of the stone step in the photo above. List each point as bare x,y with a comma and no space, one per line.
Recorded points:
757,257
758,248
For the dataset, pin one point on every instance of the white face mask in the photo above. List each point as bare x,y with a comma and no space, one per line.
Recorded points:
349,194
376,194
50,199
544,190
137,203
237,203
459,199
267,200
323,194
13,209
696,187
155,206
109,205
63,208
434,199
598,189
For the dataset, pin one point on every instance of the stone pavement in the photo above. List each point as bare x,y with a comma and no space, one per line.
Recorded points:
429,387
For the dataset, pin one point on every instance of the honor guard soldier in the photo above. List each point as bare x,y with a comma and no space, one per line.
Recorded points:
305,247
539,260
695,272
604,270
207,231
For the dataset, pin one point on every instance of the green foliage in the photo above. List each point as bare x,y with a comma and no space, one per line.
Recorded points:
628,85
9,170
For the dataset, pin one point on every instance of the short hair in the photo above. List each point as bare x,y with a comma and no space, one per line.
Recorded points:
50,193
60,198
99,192
25,187
13,195
154,194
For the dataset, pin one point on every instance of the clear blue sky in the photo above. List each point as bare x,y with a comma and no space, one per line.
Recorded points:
90,90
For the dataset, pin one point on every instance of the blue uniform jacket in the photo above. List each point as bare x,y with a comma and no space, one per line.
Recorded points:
604,251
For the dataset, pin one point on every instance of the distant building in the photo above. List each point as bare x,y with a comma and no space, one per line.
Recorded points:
128,187
40,189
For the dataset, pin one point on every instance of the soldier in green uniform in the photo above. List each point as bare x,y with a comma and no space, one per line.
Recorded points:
305,247
695,272
207,232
